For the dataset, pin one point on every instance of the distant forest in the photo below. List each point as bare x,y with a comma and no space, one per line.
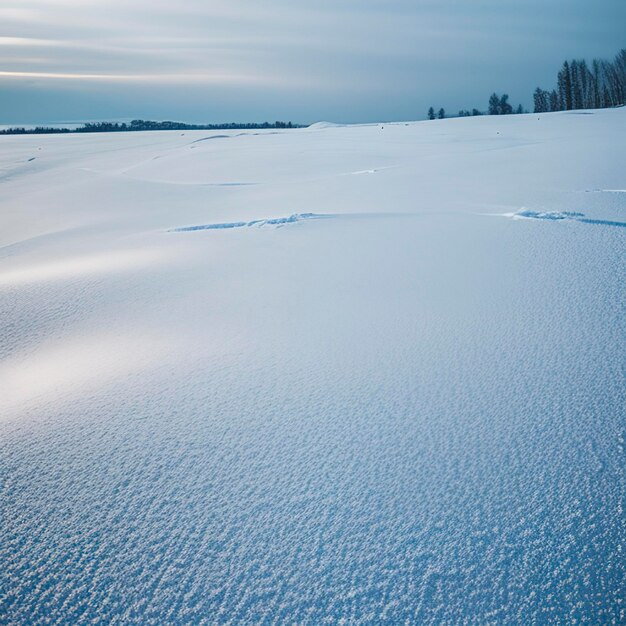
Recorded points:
135,125
578,86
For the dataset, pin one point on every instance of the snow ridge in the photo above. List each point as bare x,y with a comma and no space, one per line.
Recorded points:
565,215
275,221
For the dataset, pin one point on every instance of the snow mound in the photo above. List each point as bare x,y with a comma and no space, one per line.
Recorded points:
322,125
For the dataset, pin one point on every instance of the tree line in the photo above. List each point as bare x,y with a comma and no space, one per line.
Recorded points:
498,105
135,125
580,86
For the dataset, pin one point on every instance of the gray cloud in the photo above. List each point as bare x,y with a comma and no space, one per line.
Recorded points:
351,61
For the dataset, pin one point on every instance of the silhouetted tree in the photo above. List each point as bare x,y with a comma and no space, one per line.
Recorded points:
586,81
494,104
442,114
595,83
505,107
619,63
564,81
541,100
576,81
554,100
431,113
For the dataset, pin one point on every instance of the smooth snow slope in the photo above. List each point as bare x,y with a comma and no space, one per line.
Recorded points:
363,374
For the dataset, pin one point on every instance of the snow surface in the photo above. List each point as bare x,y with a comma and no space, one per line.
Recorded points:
413,413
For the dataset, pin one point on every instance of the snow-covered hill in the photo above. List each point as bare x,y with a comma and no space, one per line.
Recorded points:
361,373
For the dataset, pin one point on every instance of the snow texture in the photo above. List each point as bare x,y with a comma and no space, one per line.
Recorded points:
414,414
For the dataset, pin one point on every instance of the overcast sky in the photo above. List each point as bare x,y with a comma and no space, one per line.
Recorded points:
338,60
